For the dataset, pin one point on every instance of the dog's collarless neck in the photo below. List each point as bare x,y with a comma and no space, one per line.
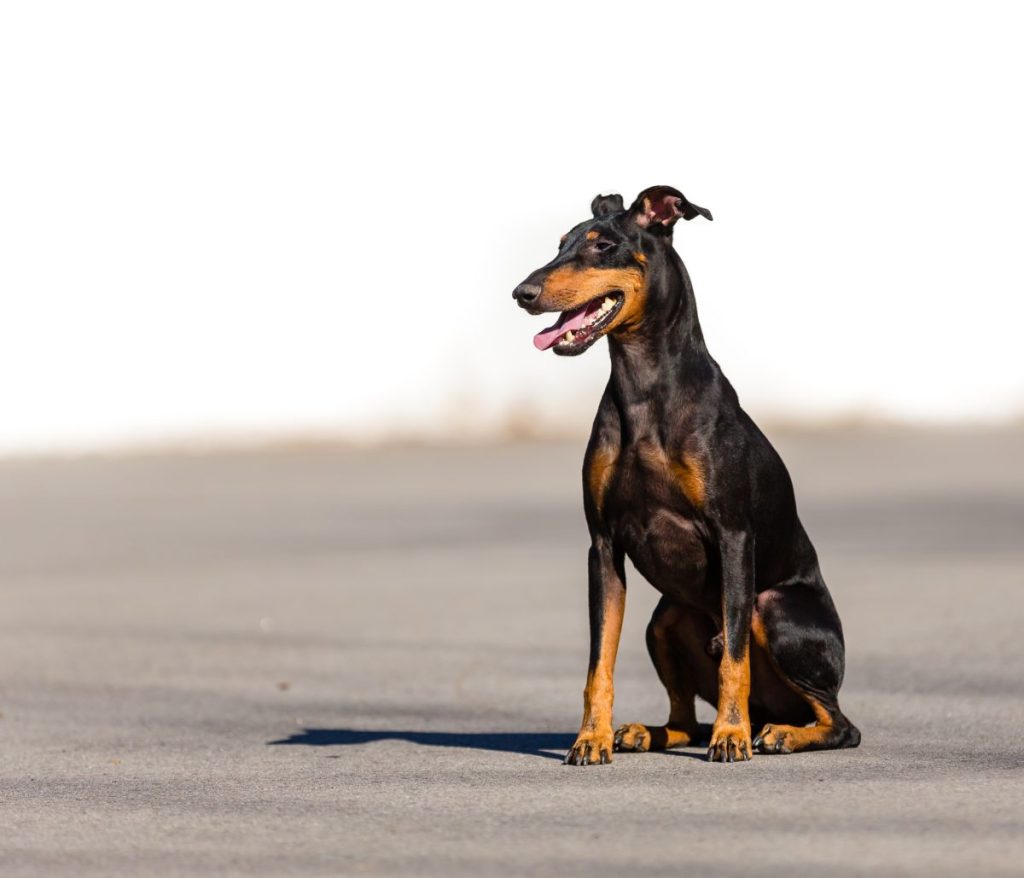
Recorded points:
653,375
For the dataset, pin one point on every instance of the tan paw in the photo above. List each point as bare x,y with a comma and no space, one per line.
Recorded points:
729,743
776,739
638,738
591,748
634,737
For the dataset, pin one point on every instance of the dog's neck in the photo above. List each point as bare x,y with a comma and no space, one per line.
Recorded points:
662,367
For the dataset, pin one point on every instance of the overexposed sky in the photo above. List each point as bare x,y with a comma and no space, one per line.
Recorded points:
231,219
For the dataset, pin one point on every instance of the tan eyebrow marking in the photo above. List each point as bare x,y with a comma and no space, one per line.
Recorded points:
592,235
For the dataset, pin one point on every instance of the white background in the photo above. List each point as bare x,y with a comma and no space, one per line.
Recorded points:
251,219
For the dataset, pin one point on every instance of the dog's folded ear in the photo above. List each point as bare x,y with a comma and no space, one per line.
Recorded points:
604,205
661,206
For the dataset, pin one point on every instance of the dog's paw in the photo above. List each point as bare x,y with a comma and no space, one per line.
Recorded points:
633,737
638,738
775,739
730,742
591,748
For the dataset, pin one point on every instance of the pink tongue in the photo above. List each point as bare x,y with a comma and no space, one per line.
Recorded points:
569,321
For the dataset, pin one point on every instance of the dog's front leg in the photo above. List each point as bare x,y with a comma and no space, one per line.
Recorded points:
594,743
730,736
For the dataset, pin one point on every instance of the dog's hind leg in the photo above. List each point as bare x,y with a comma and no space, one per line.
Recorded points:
675,640
797,626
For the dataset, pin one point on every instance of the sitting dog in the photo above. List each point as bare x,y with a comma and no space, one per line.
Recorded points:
678,477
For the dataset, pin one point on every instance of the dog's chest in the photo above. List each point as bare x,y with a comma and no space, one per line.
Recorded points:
650,507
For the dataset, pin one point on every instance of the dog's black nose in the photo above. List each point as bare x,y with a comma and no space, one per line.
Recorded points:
526,294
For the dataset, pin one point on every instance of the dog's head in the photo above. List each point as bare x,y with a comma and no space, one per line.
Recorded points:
600,279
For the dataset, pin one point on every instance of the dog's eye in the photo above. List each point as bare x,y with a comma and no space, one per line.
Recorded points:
602,245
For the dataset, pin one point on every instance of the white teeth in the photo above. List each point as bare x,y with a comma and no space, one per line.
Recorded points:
606,305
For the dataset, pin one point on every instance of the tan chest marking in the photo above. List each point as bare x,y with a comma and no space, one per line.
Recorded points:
686,473
599,474
689,475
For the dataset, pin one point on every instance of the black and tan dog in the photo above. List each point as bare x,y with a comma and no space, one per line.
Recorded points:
678,477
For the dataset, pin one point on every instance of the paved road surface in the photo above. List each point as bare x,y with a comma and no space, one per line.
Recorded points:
342,663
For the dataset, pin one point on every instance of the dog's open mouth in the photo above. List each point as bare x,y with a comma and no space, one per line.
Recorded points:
578,329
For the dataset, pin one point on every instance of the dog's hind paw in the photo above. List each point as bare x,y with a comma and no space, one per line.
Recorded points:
774,740
638,738
634,737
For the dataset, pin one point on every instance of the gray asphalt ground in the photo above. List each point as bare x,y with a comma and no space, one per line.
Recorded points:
336,662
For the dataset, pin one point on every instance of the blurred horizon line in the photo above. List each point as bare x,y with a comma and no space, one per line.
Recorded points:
513,430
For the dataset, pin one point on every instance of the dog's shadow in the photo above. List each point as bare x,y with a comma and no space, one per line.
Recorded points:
542,744
548,745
